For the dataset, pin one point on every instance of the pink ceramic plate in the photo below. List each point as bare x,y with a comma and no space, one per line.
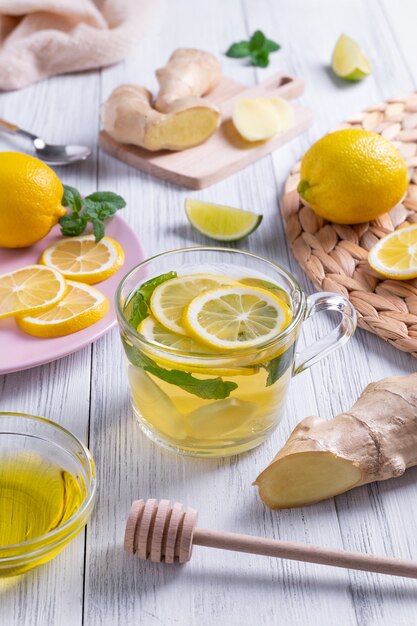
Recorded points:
19,351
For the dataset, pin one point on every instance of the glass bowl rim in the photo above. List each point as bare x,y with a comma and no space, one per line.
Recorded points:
296,319
33,544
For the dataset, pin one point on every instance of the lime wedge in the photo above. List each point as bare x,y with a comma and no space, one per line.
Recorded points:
220,222
348,60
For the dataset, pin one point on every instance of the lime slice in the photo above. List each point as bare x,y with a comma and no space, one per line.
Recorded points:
236,317
348,60
220,222
169,299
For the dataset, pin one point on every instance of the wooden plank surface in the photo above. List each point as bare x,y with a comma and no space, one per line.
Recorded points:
93,583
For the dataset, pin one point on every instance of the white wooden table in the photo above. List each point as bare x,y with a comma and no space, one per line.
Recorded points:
93,582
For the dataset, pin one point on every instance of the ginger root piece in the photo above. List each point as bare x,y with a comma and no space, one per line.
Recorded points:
181,119
259,119
375,440
189,73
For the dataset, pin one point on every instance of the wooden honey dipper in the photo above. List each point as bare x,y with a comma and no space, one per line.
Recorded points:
162,531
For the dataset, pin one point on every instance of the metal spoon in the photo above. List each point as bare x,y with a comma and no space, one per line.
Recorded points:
54,155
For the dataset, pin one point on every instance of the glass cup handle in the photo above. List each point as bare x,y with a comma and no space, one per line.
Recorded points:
326,301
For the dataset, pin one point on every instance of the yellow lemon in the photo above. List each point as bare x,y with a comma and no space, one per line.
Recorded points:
30,200
352,176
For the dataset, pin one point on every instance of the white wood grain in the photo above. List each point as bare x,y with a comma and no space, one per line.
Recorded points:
88,391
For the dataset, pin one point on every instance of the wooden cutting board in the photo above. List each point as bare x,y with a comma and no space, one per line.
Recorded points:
225,152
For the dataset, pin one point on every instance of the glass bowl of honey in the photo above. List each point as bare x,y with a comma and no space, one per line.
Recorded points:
47,490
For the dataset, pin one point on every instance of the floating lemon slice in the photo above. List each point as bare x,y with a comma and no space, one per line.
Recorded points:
81,306
84,259
169,300
348,60
395,255
156,333
236,317
30,289
223,223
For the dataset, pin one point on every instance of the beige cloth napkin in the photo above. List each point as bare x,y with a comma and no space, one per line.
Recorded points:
40,38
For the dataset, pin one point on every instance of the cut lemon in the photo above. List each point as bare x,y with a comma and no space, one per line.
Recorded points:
348,60
156,333
236,317
30,289
84,259
169,299
395,255
81,306
220,222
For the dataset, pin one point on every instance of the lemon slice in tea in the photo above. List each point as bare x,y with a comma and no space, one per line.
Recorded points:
395,255
233,317
169,299
156,333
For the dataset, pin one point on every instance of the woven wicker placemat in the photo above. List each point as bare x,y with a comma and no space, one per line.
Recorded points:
334,256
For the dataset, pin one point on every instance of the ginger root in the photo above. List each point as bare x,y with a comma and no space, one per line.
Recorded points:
375,440
181,118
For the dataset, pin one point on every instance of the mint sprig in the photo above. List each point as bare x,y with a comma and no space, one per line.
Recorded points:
95,209
142,296
208,389
276,367
257,48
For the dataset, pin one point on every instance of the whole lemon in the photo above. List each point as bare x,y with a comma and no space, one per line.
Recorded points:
352,176
30,200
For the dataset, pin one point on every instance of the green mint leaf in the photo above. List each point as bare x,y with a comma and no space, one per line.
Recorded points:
95,208
72,225
140,307
98,230
72,198
101,199
279,365
140,310
209,389
260,58
270,46
256,41
238,50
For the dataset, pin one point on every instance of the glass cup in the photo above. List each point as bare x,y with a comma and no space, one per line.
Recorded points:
218,404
